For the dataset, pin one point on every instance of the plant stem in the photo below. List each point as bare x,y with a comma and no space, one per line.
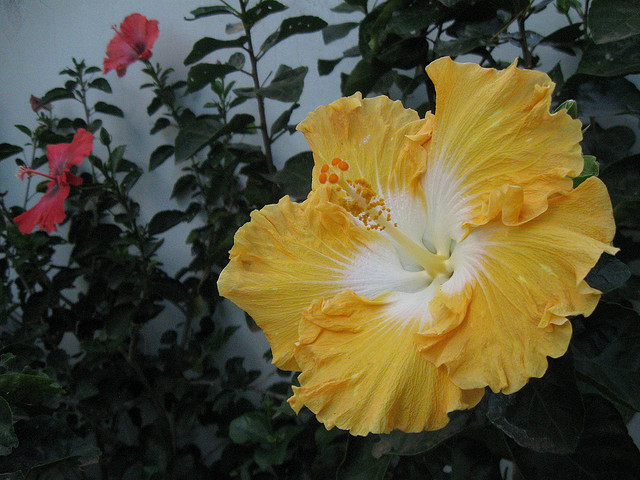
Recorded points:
526,53
259,98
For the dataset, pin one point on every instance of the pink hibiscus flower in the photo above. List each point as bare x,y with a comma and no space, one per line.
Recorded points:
50,209
132,42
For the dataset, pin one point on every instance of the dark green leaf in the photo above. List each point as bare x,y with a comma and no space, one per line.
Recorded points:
345,7
612,20
207,45
163,221
155,104
411,22
202,12
606,353
161,124
56,94
331,33
547,414
8,439
46,441
105,138
116,157
295,177
262,10
159,156
359,462
612,59
103,107
282,122
7,150
27,388
325,67
203,74
605,451
363,77
623,179
565,39
287,85
608,144
193,137
250,427
292,26
602,96
24,129
184,185
196,135
101,84
608,274
400,443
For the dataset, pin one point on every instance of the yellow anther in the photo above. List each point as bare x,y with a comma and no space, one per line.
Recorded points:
333,178
344,166
322,178
336,161
324,168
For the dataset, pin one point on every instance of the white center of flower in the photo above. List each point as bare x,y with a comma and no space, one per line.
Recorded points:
363,203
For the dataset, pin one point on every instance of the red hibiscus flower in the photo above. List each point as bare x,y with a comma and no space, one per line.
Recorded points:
50,209
132,42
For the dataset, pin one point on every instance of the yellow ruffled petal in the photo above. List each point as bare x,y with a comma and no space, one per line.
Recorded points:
290,254
504,310
361,370
495,149
382,142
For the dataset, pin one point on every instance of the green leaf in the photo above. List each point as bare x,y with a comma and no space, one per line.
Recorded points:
292,26
250,427
359,462
611,59
400,443
262,10
196,135
605,451
282,122
331,33
612,20
608,274
56,94
159,156
204,74
116,157
547,414
571,106
345,7
101,84
108,109
287,85
24,129
207,45
605,348
202,12
7,150
163,221
363,77
325,67
105,138
184,185
608,144
591,168
8,439
237,60
161,124
623,179
28,388
46,441
598,96
295,176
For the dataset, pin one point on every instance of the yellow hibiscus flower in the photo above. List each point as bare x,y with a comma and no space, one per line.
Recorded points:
432,258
